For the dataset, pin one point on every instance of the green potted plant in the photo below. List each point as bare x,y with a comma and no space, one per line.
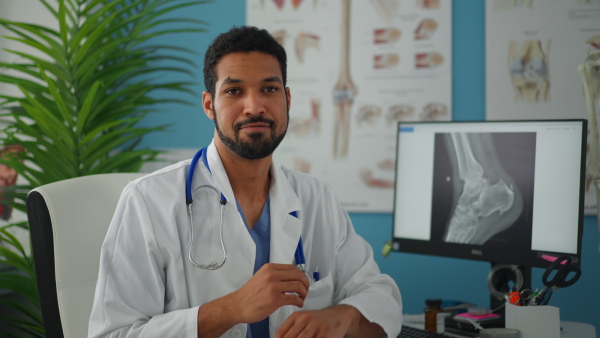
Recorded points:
82,95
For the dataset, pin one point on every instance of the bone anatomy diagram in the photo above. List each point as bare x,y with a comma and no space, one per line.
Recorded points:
529,70
356,69
486,200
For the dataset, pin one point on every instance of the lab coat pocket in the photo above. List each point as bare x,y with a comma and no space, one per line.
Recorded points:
320,294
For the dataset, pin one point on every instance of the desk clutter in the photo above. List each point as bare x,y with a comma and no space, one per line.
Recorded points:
412,332
517,322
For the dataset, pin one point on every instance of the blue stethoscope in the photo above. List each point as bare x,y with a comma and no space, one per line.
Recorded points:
214,265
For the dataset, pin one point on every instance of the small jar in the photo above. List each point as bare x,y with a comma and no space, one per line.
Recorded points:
434,306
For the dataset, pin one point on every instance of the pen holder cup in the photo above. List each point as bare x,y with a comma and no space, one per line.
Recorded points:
534,321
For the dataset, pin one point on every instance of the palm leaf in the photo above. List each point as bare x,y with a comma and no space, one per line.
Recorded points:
83,92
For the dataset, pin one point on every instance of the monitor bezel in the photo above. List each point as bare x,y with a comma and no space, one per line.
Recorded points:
527,258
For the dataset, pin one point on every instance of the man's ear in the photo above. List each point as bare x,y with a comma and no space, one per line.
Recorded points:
207,105
289,97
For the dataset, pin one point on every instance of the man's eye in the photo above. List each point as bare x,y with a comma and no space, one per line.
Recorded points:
271,89
232,91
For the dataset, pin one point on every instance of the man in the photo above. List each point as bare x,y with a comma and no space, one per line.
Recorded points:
148,285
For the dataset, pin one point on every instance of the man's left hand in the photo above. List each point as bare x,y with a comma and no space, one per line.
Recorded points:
333,321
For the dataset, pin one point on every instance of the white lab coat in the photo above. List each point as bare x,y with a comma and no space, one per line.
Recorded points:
147,287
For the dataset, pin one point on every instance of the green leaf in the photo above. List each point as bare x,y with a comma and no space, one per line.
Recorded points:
85,109
43,33
58,98
50,67
62,23
47,121
24,310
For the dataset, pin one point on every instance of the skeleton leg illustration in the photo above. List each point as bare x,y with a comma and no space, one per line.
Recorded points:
344,90
489,202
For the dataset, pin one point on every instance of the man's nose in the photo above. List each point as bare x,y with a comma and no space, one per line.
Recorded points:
254,104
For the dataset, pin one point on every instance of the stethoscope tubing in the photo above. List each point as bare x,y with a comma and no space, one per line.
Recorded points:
201,154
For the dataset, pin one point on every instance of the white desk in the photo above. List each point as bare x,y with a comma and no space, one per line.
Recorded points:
569,329
577,330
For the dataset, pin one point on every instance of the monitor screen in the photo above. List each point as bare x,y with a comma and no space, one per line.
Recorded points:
507,192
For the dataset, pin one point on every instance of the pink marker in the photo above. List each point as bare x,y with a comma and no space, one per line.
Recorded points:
551,259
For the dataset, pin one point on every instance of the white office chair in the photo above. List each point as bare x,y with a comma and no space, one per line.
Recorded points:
68,221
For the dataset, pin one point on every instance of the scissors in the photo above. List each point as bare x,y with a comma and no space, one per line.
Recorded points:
564,267
521,298
526,296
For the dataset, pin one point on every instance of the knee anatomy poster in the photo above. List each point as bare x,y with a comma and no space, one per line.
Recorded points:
355,69
533,50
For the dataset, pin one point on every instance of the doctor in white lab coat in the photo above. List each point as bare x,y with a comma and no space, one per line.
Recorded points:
147,286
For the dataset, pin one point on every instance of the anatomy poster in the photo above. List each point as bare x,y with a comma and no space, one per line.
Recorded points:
533,49
355,69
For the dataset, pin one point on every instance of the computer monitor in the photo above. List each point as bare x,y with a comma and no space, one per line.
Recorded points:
505,192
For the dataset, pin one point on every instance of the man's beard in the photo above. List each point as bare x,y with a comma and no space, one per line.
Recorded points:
259,146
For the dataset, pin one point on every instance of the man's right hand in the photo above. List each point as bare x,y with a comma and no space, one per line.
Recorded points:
271,287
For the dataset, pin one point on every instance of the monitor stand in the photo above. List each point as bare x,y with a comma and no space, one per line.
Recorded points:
504,280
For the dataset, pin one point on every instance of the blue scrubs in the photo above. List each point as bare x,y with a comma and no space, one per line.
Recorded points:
261,234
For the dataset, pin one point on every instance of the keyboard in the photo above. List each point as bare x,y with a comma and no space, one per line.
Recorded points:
411,332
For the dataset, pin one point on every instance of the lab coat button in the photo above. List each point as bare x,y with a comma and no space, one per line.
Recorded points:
236,333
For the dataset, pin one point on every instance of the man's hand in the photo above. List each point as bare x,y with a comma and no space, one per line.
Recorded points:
334,321
271,287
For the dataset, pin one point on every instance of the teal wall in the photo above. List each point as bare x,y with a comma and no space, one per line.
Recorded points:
418,276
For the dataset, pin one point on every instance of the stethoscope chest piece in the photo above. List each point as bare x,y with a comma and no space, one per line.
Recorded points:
302,268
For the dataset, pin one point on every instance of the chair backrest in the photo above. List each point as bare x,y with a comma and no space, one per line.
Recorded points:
68,221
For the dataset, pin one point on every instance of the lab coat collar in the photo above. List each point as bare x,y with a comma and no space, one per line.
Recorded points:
218,172
281,192
285,227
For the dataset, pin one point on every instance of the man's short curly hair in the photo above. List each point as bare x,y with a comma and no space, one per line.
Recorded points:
243,39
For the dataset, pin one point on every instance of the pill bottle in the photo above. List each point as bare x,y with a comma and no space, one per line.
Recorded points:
434,306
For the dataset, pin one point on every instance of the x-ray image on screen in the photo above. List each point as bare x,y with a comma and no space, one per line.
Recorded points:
483,188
